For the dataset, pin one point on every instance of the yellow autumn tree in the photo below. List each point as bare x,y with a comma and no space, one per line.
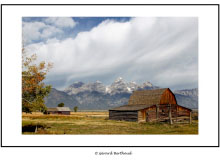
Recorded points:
33,88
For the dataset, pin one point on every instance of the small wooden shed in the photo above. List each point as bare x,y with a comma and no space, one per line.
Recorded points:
59,110
151,105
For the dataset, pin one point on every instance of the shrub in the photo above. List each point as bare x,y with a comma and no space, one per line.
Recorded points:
61,104
75,109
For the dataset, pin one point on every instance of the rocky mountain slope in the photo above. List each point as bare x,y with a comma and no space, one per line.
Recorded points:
55,97
94,96
187,97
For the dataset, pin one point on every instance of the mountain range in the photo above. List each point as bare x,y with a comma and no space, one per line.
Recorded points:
97,96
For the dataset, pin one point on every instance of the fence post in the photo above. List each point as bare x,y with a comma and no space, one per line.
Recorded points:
170,114
190,117
36,129
157,112
176,113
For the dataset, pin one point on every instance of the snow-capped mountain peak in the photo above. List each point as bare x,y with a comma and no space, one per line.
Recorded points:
107,89
147,84
119,79
98,81
188,92
117,87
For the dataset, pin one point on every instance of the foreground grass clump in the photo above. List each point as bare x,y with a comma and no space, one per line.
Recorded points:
98,123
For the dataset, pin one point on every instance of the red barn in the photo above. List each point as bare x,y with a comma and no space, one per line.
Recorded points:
151,105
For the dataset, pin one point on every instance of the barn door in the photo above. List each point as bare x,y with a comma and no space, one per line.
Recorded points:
147,116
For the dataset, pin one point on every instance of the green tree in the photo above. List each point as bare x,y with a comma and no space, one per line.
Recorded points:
33,89
75,109
60,105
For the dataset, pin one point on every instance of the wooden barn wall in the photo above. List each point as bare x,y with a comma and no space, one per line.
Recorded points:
183,111
123,115
52,112
64,112
150,114
163,113
142,115
168,98
59,112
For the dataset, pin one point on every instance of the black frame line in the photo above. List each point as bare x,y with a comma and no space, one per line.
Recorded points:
121,4
113,5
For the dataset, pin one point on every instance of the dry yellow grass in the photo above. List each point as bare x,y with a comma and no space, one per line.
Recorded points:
98,123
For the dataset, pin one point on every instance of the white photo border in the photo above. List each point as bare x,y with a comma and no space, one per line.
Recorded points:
208,73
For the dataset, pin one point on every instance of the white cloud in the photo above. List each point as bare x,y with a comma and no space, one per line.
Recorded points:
161,50
50,31
31,31
34,31
61,21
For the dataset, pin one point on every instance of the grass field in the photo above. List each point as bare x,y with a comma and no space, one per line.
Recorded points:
97,123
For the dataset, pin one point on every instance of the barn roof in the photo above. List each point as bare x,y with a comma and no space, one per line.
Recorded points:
51,109
63,108
59,109
130,108
147,97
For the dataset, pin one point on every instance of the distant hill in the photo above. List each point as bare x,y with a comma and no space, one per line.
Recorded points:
97,96
55,97
187,97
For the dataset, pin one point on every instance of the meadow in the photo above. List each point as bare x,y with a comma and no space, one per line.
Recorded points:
97,123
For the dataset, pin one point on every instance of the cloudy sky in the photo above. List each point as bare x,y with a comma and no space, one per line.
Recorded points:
163,51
